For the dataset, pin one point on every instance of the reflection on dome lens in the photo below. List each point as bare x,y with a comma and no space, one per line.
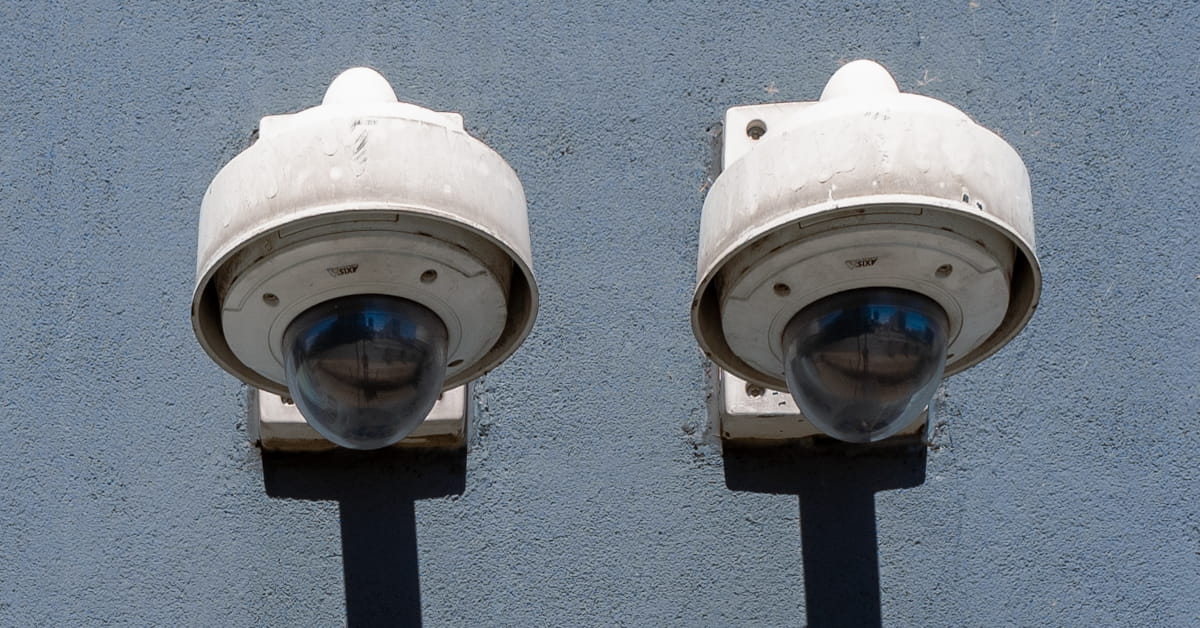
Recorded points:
863,364
365,370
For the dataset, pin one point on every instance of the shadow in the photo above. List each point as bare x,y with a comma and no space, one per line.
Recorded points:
375,492
836,483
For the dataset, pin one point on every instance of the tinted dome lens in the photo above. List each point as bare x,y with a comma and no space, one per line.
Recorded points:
365,370
863,364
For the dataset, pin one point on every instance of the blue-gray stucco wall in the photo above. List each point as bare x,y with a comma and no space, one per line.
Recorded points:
1062,487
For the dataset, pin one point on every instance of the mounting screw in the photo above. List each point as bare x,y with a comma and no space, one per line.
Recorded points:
756,129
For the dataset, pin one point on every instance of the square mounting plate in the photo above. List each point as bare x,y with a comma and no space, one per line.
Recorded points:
275,424
746,412
775,118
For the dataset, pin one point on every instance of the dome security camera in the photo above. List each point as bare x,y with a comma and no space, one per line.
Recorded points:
857,249
362,257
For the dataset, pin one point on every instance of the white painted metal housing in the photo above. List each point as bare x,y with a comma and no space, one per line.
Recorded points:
868,187
363,195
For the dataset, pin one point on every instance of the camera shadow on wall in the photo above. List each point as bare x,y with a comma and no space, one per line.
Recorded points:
376,492
836,485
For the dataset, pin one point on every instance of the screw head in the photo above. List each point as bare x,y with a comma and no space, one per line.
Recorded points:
756,129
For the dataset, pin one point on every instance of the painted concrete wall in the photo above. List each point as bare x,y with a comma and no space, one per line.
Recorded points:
1062,485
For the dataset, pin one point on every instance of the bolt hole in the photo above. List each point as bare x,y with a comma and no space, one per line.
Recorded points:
782,289
429,276
287,401
270,299
455,363
944,270
756,129
966,198
754,390
979,205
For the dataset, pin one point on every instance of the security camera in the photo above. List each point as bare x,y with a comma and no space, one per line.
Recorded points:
361,257
856,250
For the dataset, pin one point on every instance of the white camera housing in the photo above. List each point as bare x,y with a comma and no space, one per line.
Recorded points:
866,188
363,195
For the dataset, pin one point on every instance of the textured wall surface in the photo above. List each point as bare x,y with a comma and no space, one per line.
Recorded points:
1062,487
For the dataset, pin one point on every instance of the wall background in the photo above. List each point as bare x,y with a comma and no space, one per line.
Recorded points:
1062,487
